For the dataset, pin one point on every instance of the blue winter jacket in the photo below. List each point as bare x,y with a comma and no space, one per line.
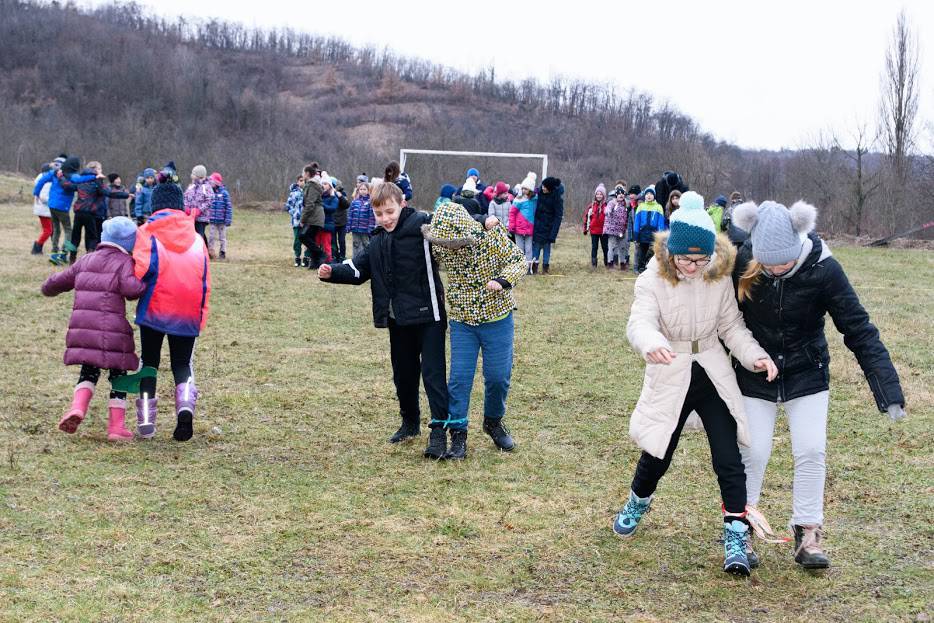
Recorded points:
62,192
330,207
142,208
293,205
221,209
649,218
405,185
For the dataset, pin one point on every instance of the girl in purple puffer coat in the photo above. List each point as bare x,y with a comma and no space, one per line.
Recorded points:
99,335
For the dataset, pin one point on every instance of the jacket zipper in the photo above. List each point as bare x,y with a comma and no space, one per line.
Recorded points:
779,284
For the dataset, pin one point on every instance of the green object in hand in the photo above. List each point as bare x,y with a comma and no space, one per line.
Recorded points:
129,383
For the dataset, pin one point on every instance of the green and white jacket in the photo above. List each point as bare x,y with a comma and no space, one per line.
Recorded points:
473,257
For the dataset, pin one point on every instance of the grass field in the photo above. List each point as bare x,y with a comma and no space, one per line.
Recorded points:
289,504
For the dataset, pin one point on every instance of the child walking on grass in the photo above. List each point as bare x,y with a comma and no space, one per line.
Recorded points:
683,307
99,336
172,262
483,267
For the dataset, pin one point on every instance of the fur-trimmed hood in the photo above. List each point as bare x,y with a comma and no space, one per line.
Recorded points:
721,264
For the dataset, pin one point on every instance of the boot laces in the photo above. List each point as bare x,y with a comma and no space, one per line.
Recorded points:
633,511
810,540
735,542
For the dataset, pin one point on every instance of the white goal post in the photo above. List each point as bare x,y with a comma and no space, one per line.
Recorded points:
403,154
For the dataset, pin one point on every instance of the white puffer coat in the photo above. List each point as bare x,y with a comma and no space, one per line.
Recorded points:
689,317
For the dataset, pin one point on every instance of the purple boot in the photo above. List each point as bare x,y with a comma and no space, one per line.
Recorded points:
186,396
146,417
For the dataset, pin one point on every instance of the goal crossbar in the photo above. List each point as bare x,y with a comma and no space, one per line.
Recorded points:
403,154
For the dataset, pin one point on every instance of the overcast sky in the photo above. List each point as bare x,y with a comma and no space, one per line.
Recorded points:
758,74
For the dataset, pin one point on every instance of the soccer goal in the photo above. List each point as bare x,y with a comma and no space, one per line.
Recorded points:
404,153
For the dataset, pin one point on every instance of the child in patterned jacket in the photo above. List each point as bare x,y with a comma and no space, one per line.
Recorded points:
293,205
483,266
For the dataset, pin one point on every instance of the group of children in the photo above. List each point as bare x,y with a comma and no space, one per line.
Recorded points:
633,215
696,296
164,264
63,187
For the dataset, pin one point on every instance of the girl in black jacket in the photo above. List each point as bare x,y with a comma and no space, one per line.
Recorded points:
787,281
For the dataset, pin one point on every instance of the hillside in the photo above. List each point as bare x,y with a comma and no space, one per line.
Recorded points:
132,90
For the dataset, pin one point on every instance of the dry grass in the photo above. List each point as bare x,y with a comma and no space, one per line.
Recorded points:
298,509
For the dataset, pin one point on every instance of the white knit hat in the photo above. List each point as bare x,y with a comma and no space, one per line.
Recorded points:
470,184
529,182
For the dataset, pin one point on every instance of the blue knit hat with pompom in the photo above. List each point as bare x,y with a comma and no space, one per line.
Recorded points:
692,230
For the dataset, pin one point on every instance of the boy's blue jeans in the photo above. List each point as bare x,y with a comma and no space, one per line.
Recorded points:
538,248
495,340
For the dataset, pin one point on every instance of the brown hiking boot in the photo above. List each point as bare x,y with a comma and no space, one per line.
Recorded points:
808,551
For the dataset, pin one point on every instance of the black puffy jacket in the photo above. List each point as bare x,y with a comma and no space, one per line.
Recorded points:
549,213
401,269
786,316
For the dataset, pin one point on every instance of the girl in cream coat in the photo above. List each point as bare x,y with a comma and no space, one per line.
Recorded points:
684,305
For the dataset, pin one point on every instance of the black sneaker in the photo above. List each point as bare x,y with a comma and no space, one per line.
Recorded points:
458,449
437,444
406,431
499,434
305,262
298,262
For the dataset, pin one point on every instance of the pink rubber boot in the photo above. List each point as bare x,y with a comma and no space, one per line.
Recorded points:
84,391
116,426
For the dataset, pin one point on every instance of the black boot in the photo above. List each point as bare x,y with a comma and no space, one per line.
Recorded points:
36,249
808,551
534,268
298,262
305,262
437,444
406,431
544,269
499,434
458,449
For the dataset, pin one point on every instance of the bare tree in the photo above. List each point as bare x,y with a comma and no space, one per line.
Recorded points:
898,106
864,181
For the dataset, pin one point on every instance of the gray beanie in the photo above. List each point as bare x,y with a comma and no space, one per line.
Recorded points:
777,233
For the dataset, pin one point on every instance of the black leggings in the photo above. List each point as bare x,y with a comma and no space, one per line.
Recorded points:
93,375
598,240
720,426
180,352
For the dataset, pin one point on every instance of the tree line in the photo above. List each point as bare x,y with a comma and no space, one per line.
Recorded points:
131,89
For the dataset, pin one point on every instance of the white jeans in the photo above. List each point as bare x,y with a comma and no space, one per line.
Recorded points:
217,231
525,243
807,420
616,250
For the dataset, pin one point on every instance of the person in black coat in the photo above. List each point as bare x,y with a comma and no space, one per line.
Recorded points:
670,181
787,281
408,299
470,197
549,212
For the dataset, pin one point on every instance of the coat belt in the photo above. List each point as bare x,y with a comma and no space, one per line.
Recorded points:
695,346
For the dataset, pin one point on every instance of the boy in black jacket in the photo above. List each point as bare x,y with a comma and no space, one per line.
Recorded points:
408,299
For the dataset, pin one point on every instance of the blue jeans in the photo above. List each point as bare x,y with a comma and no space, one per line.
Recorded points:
494,339
538,248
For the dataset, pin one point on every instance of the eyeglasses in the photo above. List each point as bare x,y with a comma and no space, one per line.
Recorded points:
686,261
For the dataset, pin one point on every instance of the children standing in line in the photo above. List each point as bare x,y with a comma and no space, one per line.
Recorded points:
360,219
483,267
522,220
142,206
594,217
40,208
221,216
649,219
99,337
408,299
683,306
293,206
172,261
614,228
199,199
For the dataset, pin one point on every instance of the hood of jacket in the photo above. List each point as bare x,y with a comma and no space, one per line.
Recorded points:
173,228
720,266
452,227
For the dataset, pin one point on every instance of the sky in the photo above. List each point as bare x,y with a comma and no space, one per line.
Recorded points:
758,74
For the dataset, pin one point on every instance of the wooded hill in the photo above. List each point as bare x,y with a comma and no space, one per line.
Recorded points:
121,86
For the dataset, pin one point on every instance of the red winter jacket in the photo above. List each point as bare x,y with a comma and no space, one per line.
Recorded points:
594,217
98,332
